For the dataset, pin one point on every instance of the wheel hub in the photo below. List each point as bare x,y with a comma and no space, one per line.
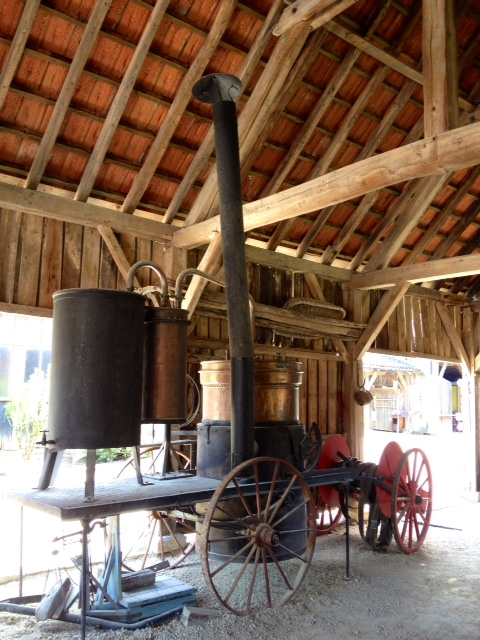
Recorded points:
266,536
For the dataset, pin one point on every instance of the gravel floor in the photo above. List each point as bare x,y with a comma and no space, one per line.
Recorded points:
430,595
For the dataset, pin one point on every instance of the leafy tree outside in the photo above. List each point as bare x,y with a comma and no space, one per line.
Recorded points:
27,410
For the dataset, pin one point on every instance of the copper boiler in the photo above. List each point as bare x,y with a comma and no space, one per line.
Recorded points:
165,365
276,391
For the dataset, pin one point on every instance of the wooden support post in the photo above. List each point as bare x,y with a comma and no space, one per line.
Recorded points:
353,414
477,431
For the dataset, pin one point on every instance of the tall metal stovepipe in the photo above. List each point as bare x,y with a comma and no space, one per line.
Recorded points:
221,90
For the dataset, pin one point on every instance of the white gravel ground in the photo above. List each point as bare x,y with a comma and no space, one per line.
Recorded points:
430,595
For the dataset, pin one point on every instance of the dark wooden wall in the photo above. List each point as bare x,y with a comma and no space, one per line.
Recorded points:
39,256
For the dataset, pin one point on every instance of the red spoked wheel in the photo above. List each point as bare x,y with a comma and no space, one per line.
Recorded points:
386,471
411,500
327,517
327,498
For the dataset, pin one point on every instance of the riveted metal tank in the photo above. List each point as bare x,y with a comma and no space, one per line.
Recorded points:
97,365
277,434
277,431
165,365
276,391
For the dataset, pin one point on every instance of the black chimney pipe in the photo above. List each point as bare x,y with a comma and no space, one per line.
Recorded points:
221,90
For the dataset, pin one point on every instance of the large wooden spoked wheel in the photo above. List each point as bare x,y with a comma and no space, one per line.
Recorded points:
257,549
411,500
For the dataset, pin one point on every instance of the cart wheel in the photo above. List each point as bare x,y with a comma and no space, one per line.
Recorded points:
327,517
156,537
387,467
258,535
411,500
327,499
175,536
149,457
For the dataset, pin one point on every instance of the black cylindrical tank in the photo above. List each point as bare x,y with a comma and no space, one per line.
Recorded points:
165,365
97,366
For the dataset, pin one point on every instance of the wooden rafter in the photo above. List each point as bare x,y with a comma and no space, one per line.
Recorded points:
17,47
311,123
206,148
69,86
322,165
182,98
120,101
255,115
435,226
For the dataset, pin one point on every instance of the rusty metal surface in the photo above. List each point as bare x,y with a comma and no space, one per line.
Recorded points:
165,372
276,390
123,496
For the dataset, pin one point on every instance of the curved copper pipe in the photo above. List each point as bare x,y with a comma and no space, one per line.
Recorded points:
158,270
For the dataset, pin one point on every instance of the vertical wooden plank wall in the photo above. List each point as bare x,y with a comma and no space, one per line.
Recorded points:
416,328
39,256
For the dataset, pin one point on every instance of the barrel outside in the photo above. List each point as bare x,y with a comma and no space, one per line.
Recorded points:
97,366
165,366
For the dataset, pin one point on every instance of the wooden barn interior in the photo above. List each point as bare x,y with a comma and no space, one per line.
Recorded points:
359,151
359,145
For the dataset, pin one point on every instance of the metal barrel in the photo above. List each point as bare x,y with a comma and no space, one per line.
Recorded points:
276,391
165,366
97,365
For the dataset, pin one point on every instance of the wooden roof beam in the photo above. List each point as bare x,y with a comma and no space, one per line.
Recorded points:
57,207
306,132
315,11
338,139
433,156
175,113
421,272
60,110
258,114
17,47
385,58
202,157
440,73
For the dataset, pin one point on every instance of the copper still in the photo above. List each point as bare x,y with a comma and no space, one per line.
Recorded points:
276,391
165,365
277,429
